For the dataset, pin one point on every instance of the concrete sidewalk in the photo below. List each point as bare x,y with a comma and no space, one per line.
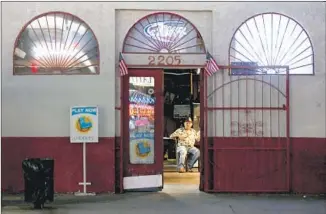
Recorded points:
175,199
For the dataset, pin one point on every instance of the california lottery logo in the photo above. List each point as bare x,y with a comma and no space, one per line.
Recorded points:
84,124
143,149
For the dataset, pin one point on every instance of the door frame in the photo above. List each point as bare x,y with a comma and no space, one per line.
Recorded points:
123,128
146,172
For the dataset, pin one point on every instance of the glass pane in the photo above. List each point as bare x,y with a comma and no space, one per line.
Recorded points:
56,43
141,120
271,40
164,33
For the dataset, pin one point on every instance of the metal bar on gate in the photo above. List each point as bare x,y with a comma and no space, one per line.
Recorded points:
247,191
248,108
255,122
231,77
278,112
238,107
270,105
214,112
262,104
288,153
223,116
252,149
249,67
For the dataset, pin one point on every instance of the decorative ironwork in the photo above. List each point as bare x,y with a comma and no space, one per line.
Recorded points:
163,33
251,127
271,39
56,43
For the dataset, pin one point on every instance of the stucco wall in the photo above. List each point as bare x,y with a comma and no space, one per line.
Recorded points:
39,105
30,102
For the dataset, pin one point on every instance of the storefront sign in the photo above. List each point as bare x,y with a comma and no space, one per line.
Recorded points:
167,31
84,124
160,60
141,81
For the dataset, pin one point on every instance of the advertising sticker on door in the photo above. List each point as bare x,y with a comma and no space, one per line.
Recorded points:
141,123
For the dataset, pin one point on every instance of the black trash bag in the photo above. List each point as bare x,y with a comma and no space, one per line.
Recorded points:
38,176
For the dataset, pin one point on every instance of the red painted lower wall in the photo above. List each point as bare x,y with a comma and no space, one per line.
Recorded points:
68,162
308,163
260,165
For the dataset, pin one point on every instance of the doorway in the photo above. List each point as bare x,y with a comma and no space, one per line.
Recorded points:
181,101
155,103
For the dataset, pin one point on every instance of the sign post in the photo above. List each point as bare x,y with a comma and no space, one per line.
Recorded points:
84,129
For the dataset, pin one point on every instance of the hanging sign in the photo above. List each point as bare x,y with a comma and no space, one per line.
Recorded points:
84,124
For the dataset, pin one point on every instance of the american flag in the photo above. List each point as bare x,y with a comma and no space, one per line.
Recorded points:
211,65
122,66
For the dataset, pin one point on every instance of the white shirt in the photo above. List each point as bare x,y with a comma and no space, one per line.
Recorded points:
191,136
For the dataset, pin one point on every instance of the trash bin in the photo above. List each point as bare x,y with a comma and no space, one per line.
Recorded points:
38,177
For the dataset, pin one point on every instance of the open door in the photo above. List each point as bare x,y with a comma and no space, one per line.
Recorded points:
143,130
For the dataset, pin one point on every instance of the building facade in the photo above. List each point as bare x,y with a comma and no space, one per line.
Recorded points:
35,108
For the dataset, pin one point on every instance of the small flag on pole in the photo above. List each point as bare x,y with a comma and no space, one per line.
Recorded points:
211,65
122,66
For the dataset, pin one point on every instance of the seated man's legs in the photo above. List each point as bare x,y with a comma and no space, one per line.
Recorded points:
181,156
194,154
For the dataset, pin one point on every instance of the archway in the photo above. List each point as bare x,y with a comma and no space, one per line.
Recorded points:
158,41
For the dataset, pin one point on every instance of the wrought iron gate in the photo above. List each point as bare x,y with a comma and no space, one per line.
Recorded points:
246,130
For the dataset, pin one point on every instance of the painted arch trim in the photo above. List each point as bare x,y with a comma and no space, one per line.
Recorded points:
163,32
276,40
56,43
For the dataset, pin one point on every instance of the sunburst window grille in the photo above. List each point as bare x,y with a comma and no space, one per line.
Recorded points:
271,39
163,33
56,43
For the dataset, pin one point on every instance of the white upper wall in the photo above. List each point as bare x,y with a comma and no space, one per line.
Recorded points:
39,105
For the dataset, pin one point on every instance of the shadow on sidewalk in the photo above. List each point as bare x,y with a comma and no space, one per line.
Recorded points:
17,200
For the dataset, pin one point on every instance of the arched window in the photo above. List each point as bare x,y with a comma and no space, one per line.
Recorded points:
56,43
163,32
272,39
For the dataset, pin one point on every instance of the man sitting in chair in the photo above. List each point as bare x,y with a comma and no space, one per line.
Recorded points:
186,138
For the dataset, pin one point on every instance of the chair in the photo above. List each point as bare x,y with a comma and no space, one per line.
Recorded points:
186,160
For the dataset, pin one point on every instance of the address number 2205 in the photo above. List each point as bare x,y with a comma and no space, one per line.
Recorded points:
164,60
